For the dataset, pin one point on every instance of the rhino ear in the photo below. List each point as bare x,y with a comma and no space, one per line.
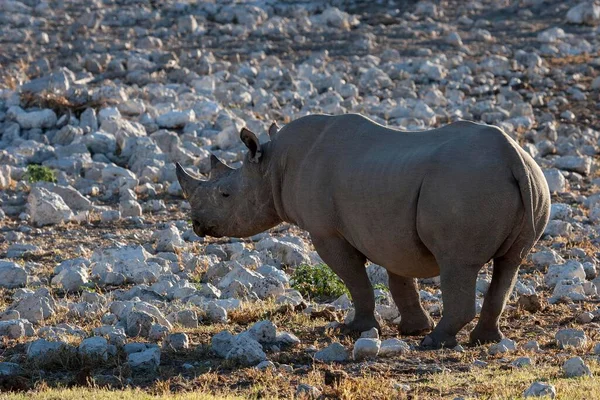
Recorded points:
273,129
187,182
252,143
217,167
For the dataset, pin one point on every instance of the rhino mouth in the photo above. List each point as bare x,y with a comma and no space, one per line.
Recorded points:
208,230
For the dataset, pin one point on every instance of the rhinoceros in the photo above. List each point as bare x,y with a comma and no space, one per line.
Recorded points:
421,204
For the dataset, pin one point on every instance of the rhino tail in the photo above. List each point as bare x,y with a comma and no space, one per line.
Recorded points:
521,173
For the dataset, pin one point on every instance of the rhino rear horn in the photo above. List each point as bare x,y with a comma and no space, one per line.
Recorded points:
187,182
217,167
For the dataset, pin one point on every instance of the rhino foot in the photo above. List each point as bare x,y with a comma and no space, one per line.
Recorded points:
435,340
415,327
357,326
481,336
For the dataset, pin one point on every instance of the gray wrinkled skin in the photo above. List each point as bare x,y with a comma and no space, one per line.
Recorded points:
441,202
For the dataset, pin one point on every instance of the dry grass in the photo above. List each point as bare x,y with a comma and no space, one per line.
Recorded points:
59,103
507,383
99,394
572,59
496,382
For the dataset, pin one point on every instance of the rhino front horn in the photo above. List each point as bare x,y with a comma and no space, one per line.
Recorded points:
187,182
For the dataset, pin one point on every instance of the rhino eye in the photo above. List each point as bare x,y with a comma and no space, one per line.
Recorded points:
225,194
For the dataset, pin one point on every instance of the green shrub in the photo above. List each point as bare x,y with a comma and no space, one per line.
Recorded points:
381,286
37,173
317,282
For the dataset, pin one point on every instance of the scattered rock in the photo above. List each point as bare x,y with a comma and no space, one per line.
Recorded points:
540,389
43,352
139,323
175,119
36,119
335,352
263,332
216,313
10,369
71,279
532,345
221,343
575,367
169,240
558,272
570,338
556,180
96,348
265,365
12,275
366,348
587,13
15,328
246,351
306,391
146,360
392,347
47,208
372,333
502,347
522,362
287,339
176,341
35,306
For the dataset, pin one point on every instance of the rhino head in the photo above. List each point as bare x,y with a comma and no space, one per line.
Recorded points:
232,202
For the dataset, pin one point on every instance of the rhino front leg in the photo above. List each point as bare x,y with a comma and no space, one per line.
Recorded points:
349,264
415,319
458,295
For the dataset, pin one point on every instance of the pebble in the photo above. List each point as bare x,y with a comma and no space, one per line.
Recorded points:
575,367
263,332
366,348
95,348
176,341
12,275
540,389
335,352
372,333
47,208
146,360
575,338
246,351
36,119
504,346
306,391
532,345
393,347
522,362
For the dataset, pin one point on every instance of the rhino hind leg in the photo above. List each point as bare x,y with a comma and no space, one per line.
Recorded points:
503,280
349,264
414,319
458,295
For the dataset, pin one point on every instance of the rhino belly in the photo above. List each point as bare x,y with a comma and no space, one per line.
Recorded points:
405,257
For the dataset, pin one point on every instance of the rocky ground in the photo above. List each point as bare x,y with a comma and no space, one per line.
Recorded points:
103,282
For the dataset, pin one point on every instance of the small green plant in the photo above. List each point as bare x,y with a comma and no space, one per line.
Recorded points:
382,287
37,173
317,282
